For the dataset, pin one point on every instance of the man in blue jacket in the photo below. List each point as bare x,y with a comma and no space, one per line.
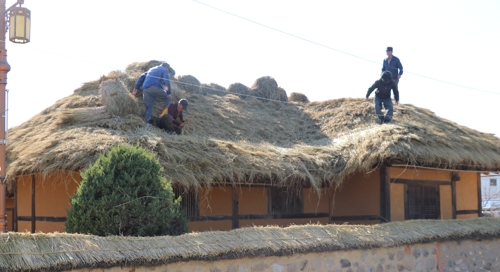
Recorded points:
383,96
155,84
393,65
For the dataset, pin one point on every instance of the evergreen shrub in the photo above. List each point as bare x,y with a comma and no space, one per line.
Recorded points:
124,193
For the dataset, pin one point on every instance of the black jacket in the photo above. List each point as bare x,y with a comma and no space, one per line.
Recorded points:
384,90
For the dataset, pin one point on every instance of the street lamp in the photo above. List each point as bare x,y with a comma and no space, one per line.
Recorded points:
20,31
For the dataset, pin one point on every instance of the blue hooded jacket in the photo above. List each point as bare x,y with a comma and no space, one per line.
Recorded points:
158,77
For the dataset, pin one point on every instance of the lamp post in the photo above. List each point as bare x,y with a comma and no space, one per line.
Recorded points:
19,20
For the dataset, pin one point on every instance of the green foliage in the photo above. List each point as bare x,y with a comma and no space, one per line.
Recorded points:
124,193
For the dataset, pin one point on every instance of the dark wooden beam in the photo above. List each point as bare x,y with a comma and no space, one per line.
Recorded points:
385,194
14,214
259,217
236,221
467,212
33,214
479,196
420,182
43,218
454,199
357,218
330,203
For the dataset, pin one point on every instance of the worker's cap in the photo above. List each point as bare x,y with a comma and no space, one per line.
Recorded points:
166,65
389,49
184,104
387,77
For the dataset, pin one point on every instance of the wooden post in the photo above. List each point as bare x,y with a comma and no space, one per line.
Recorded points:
235,215
479,196
33,214
14,214
330,203
385,194
454,199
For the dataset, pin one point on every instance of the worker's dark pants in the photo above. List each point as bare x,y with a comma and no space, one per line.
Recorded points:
150,95
165,122
387,102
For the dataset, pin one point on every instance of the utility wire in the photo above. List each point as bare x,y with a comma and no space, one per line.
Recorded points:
337,50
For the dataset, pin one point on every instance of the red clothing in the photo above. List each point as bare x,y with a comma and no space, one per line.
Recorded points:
172,110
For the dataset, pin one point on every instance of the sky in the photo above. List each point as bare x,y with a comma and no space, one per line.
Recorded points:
325,49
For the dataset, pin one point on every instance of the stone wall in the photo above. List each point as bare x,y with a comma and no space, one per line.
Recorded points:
464,255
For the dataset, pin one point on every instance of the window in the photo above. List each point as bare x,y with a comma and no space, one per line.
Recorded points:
284,201
422,202
493,182
189,202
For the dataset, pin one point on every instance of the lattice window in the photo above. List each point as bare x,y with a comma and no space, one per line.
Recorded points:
189,202
284,201
422,202
493,182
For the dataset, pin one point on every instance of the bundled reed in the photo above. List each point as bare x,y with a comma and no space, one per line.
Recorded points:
61,251
298,97
188,83
117,99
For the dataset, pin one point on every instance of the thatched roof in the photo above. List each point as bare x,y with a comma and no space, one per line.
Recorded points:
243,140
61,251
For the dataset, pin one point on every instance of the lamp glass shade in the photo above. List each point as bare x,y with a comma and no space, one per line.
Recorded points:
20,25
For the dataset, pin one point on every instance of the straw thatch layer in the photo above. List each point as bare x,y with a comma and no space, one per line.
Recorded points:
23,251
298,97
235,140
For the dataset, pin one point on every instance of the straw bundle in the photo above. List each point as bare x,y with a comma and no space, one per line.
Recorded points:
61,251
213,88
298,97
188,83
267,87
118,101
142,66
238,88
82,115
279,94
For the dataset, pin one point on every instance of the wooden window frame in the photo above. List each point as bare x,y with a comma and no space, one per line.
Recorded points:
271,193
189,197
421,186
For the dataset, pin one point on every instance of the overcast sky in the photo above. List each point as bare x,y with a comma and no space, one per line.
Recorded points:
324,49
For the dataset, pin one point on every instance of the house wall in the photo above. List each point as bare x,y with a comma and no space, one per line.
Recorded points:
217,201
466,192
9,211
467,195
52,194
461,255
357,197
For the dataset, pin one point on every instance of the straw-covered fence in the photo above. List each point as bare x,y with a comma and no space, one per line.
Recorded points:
243,141
58,251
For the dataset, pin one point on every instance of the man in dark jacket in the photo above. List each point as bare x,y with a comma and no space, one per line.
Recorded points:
393,65
171,118
155,84
383,96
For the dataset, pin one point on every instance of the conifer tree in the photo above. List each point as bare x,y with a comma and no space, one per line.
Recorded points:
124,193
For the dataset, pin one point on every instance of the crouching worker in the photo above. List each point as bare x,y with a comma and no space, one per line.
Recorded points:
171,119
383,96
